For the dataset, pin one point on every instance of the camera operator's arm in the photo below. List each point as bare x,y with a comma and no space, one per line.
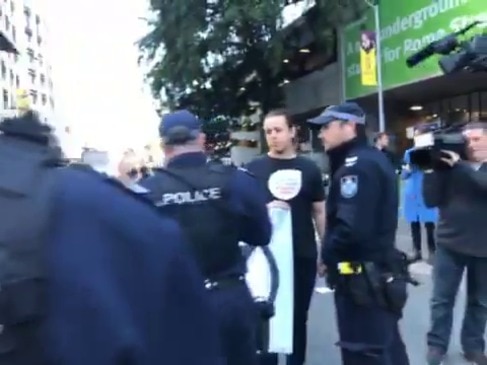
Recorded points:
479,178
435,188
464,170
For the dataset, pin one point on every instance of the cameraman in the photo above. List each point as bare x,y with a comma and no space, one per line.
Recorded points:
460,193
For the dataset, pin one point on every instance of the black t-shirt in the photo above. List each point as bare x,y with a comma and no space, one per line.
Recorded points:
300,185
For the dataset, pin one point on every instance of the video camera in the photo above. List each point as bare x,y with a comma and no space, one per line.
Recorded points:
431,139
470,55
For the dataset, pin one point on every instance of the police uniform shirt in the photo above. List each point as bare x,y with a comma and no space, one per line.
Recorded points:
123,286
247,198
362,206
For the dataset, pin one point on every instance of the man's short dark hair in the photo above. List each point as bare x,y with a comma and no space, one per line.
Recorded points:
281,113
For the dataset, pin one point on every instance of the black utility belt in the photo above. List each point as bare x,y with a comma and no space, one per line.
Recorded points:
223,283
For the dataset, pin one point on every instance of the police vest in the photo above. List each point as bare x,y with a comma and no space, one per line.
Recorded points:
198,198
26,186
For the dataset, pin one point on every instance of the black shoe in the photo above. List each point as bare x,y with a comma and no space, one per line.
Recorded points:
476,358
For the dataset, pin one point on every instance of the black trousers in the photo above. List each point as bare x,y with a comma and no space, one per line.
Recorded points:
430,236
304,283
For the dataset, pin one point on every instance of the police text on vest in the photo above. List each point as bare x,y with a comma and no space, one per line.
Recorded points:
190,197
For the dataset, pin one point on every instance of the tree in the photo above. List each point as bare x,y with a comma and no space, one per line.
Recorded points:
219,57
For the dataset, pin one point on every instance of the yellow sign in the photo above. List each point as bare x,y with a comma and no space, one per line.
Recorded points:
22,100
368,59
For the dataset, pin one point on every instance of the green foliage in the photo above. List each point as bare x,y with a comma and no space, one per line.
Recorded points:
215,57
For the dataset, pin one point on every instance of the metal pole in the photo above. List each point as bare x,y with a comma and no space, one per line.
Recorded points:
380,91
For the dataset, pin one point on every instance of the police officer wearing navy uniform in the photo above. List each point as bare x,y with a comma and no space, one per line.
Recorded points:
218,206
358,249
89,272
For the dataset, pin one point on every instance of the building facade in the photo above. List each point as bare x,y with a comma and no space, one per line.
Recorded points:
411,95
418,94
29,72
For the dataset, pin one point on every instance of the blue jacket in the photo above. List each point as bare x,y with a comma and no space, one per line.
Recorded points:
122,289
414,208
248,199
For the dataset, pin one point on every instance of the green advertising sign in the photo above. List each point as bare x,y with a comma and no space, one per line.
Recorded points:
406,27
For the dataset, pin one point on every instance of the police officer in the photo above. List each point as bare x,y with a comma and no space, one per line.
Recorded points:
84,278
358,247
218,206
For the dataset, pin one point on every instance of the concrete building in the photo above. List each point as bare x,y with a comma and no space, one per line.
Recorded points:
23,22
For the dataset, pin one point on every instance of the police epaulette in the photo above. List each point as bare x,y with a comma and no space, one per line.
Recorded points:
143,198
113,182
246,171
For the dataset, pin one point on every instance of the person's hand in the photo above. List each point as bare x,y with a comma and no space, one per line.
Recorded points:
321,268
278,204
449,157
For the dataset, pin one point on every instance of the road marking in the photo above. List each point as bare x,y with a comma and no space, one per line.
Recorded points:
323,290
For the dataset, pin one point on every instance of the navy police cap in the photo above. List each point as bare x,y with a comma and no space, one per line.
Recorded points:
179,127
348,111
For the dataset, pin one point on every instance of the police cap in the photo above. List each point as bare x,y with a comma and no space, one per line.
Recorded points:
179,127
348,111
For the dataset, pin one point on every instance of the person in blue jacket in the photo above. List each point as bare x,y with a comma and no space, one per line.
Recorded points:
218,206
123,288
414,209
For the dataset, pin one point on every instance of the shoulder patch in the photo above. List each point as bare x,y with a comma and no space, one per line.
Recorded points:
350,161
135,192
349,186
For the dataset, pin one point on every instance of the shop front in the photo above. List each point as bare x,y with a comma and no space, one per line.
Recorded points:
415,95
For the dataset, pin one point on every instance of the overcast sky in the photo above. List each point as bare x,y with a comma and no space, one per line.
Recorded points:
97,83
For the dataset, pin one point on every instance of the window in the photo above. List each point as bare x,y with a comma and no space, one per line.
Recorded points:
7,23
33,94
40,59
14,33
39,40
17,81
44,99
38,20
12,77
30,54
51,101
28,32
483,105
12,7
43,79
3,70
32,75
6,101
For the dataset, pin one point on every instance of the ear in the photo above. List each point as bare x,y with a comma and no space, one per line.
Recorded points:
294,131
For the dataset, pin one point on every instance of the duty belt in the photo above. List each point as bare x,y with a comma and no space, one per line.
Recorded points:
222,283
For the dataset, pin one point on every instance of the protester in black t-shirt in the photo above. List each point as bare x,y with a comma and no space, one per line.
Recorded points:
303,194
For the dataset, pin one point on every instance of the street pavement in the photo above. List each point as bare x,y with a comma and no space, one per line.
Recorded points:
322,330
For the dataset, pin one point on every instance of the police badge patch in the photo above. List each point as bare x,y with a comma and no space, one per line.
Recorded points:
349,186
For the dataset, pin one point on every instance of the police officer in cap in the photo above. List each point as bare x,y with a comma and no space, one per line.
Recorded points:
358,247
89,272
217,206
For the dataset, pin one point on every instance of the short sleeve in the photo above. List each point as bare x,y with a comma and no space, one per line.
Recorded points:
316,183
